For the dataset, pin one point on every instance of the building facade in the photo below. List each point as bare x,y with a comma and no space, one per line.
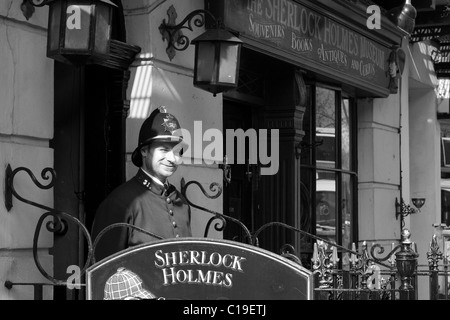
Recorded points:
349,109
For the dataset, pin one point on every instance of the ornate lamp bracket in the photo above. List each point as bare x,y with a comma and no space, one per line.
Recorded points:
38,3
60,222
402,209
47,173
27,7
172,32
226,168
8,189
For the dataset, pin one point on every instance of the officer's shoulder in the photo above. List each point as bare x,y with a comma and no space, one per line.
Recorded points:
127,189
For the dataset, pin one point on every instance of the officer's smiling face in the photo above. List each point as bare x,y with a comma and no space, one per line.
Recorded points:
160,159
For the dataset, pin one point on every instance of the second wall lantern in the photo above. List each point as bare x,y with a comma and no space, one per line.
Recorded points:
216,66
217,51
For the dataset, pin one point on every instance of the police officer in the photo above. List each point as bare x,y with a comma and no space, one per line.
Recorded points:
148,200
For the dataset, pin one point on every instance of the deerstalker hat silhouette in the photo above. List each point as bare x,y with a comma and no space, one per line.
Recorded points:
161,126
125,284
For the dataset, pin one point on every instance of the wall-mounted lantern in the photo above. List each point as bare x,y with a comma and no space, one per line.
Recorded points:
79,31
217,51
403,210
216,61
404,17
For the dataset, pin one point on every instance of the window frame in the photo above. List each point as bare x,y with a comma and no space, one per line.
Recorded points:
338,171
444,158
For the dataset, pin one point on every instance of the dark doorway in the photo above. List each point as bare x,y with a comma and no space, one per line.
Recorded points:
266,98
68,145
87,163
240,200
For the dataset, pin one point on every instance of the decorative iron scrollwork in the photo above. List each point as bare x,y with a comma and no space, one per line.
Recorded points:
119,225
226,168
214,187
172,32
46,174
380,250
60,223
286,226
323,264
434,255
402,209
38,3
288,252
56,228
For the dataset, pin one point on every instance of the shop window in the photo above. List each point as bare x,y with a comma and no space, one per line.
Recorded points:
329,166
445,206
445,180
445,155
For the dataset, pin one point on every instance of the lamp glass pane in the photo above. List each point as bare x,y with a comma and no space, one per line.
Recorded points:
78,25
205,62
228,62
102,28
54,25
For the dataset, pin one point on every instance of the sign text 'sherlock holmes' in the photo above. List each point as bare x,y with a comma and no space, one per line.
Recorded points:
170,263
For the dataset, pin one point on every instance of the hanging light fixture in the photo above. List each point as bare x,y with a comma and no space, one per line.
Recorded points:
404,17
217,51
216,61
79,31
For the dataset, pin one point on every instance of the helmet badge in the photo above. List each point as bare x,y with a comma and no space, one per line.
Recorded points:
169,124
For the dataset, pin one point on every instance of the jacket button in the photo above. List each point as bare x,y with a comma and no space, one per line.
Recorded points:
168,200
174,224
171,212
177,236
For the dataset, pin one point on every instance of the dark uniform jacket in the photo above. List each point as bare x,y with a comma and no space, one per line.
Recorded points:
142,203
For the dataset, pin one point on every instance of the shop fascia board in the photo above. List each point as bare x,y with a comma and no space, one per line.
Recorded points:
363,89
351,15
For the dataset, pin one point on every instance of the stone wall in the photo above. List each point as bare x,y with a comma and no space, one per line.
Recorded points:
26,127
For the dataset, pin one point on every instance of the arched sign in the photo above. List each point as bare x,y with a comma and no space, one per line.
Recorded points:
198,269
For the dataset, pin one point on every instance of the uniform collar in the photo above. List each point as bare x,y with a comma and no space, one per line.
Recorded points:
156,180
152,184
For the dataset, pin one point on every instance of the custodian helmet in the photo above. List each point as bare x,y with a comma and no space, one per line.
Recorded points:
161,126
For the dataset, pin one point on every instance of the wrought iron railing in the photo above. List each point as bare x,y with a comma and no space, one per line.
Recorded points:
364,275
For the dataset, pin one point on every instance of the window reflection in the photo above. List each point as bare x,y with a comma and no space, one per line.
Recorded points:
326,206
328,172
347,210
326,127
345,134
